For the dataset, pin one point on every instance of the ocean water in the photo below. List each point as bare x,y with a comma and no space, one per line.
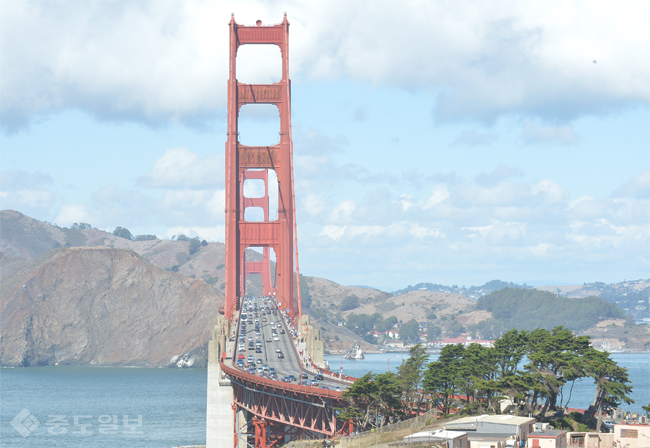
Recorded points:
82,407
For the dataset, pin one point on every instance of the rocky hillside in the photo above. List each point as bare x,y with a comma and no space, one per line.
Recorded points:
85,296
102,306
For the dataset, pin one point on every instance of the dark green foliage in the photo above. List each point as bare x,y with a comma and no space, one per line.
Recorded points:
145,238
440,378
81,226
456,329
385,324
204,243
371,397
411,373
122,233
474,378
362,323
487,329
433,332
350,303
409,331
212,280
175,268
182,237
528,309
611,383
221,266
432,316
195,245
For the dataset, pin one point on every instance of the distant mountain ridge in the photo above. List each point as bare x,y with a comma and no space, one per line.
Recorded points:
85,296
473,292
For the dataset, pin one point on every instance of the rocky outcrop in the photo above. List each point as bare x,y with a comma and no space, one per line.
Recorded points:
103,306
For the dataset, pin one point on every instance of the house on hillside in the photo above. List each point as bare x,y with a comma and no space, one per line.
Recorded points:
632,435
450,439
465,342
507,425
549,438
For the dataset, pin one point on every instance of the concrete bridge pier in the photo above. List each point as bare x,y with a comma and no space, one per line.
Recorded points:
220,419
313,345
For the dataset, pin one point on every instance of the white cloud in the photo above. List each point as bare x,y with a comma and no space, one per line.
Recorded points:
213,234
438,195
71,213
333,232
419,231
179,167
407,202
158,61
343,212
550,190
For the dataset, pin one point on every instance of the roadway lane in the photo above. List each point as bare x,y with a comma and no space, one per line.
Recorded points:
289,364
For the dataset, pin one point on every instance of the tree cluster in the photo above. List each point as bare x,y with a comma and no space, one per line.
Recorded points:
481,376
535,369
349,303
125,233
81,226
527,309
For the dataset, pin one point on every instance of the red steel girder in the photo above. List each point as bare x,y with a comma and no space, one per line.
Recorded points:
305,408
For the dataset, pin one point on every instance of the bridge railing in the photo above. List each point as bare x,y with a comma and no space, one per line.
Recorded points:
233,372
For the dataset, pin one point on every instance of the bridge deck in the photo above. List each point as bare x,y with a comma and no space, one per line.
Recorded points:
272,331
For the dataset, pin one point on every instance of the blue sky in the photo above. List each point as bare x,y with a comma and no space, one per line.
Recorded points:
444,142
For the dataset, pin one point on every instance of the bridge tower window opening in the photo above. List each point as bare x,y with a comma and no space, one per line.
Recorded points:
259,125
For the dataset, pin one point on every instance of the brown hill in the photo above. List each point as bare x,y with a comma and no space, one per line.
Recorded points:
101,306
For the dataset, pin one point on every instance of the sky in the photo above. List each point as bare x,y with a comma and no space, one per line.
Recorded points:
434,141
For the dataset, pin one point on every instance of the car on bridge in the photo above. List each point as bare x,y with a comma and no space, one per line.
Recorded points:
318,377
251,370
260,361
280,355
268,339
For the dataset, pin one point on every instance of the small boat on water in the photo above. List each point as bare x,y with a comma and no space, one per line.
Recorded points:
355,352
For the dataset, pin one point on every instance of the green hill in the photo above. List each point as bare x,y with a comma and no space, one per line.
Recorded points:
527,309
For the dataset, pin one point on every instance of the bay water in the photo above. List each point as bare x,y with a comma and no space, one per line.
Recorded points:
101,407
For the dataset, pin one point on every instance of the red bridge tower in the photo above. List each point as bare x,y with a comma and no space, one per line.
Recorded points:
253,162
